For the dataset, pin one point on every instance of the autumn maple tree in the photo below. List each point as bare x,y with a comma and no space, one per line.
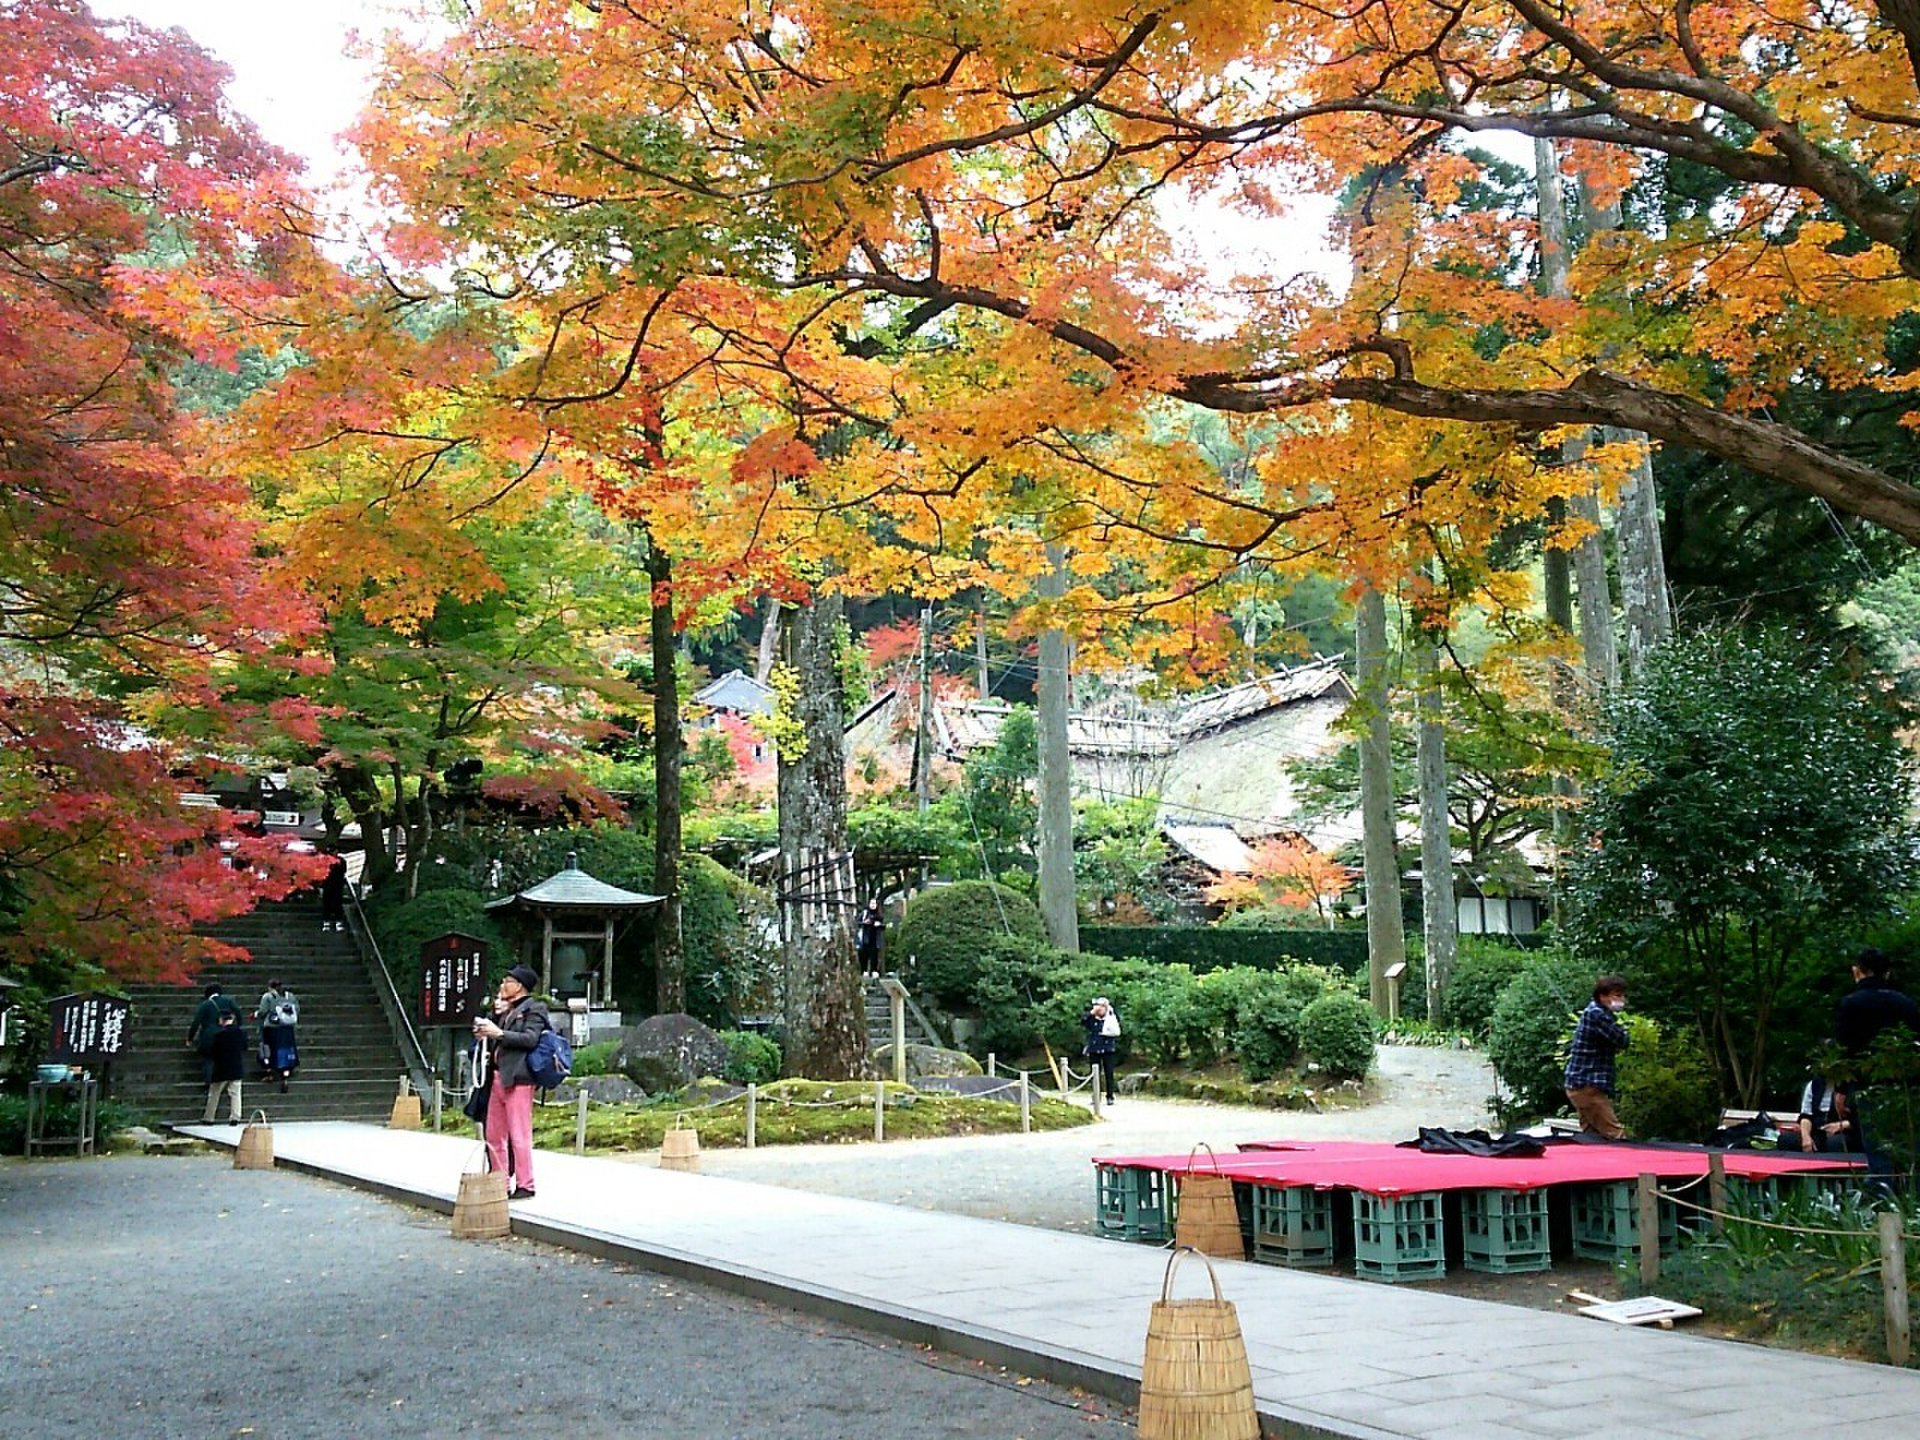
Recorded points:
990,178
138,220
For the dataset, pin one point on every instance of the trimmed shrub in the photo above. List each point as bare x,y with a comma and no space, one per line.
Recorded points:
1204,948
751,1059
1336,1031
1668,1090
1481,971
1013,978
945,933
1532,1023
1268,1039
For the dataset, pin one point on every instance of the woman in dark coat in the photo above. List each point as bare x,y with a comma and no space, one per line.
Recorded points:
1103,1040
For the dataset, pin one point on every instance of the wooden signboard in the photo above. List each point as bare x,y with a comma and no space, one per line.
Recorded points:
86,1028
453,979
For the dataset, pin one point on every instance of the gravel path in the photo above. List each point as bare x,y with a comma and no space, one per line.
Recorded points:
1047,1179
180,1297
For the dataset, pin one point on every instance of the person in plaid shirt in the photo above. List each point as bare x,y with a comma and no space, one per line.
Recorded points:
1596,1040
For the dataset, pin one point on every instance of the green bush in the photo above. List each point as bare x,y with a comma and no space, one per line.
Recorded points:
63,1118
1013,978
1267,1040
1668,1090
594,1059
944,934
1336,1031
1481,970
1301,985
401,926
751,1059
1532,1023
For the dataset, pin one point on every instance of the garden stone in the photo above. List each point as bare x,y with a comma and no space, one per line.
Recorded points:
1136,1083
926,1060
601,1090
667,1052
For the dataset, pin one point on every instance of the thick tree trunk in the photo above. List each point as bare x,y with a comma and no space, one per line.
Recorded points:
669,750
1439,918
825,1014
1590,555
1386,933
1642,560
1057,902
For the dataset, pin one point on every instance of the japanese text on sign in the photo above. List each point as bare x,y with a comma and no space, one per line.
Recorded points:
87,1027
453,979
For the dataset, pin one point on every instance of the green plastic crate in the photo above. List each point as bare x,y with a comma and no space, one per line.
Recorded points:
1399,1237
1504,1232
1606,1222
1132,1204
1292,1225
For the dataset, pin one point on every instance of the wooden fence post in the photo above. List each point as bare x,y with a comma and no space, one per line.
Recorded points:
1893,1288
580,1124
1717,1190
1649,1232
879,1109
1026,1105
753,1112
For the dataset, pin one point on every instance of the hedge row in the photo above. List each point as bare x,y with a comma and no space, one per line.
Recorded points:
1202,948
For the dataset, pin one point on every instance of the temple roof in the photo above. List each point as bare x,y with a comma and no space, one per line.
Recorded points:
574,889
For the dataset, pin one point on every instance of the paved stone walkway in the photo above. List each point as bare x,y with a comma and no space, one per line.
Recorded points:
1330,1357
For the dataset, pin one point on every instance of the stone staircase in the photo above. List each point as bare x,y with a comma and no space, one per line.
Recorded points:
349,1063
880,1019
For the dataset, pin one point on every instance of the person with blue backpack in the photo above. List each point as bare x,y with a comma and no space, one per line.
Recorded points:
516,1033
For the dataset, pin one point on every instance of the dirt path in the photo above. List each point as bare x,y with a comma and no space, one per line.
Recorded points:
1047,1179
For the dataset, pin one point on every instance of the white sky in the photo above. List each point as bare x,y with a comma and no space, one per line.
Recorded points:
294,79
292,75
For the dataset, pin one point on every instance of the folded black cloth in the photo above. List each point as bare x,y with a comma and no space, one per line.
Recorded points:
1512,1145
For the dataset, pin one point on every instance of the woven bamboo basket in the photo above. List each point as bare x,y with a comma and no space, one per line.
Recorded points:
255,1150
406,1109
480,1205
1194,1381
680,1147
1207,1218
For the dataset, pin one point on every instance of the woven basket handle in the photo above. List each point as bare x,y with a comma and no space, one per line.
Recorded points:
486,1161
1173,1262
259,1118
1203,1145
680,1120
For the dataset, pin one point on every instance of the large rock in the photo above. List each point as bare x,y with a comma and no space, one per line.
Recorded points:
669,1051
926,1060
601,1090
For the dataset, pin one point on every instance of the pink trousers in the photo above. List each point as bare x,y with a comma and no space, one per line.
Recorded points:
510,1133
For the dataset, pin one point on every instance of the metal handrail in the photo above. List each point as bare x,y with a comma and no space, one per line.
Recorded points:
424,1071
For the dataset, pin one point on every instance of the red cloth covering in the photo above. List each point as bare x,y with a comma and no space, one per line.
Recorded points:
1382,1169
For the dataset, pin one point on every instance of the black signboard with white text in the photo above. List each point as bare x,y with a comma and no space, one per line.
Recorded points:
453,979
83,1028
